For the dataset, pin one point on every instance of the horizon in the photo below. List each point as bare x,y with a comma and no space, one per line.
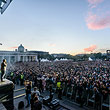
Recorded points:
14,49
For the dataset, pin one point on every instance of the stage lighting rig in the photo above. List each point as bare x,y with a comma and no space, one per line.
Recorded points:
4,5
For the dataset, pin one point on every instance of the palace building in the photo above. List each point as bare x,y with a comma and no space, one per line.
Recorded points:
20,55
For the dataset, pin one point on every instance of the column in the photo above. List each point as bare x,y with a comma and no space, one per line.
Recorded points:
29,58
36,58
26,58
19,58
23,58
32,58
16,60
9,59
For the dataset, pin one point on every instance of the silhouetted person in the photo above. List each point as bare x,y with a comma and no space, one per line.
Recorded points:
28,94
3,69
33,95
37,104
59,88
21,79
97,98
21,105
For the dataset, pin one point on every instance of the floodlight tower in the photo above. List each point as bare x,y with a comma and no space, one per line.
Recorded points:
4,5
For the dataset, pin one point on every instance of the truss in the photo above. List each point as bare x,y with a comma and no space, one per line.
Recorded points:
4,5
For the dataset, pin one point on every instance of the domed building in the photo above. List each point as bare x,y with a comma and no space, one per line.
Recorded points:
20,55
21,48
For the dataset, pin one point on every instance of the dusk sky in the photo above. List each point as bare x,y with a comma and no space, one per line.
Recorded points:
56,26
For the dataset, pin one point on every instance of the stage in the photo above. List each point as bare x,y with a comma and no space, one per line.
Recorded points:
6,94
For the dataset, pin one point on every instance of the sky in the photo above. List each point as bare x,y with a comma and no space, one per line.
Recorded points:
56,26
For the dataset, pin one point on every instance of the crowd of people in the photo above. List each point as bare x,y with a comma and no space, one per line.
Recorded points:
32,99
79,80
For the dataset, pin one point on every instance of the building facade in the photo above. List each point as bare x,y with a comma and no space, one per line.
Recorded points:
20,54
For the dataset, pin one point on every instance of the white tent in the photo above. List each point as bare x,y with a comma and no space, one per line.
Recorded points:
45,60
90,59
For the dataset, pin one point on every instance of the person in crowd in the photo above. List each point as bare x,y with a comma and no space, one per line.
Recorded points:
59,88
97,99
40,86
36,92
21,79
21,105
80,77
33,95
51,92
80,93
37,104
28,94
17,78
11,75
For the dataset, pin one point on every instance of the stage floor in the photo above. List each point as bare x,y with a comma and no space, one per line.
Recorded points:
5,82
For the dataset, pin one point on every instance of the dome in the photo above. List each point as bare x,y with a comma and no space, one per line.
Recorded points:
21,48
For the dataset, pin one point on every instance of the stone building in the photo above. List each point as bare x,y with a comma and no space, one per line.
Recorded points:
20,54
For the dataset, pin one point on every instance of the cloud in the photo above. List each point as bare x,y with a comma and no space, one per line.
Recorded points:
90,49
13,47
94,3
52,45
97,18
95,22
